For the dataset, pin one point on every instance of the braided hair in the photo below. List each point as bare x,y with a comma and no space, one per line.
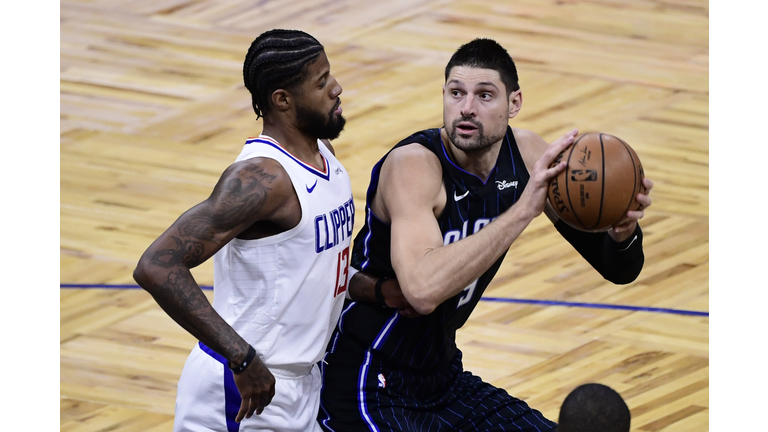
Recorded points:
277,59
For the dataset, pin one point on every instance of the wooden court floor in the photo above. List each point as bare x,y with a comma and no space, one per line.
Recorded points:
153,109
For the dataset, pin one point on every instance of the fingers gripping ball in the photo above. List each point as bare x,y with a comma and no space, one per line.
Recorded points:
599,184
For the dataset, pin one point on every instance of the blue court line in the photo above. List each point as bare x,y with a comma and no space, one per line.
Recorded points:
597,305
112,286
491,299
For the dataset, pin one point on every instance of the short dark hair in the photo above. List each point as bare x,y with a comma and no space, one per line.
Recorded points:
277,59
486,54
594,408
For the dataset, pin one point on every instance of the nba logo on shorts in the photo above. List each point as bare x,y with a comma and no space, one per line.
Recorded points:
382,381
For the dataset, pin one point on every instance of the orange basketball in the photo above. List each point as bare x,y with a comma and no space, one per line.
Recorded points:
599,184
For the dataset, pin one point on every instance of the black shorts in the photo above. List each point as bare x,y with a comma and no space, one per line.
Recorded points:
359,394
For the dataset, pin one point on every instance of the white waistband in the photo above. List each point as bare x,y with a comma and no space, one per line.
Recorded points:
290,371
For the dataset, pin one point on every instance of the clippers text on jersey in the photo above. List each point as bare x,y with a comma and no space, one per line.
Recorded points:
334,226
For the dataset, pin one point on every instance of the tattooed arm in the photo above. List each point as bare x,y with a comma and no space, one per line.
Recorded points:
248,192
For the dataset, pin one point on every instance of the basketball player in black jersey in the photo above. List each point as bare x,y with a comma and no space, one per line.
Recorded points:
442,209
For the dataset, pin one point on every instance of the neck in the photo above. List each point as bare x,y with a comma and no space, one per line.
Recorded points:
292,139
297,143
478,162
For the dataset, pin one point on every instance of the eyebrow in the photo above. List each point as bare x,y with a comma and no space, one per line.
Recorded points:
482,83
485,83
323,76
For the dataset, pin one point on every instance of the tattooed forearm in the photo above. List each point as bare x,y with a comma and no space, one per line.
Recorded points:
188,252
237,201
237,197
183,300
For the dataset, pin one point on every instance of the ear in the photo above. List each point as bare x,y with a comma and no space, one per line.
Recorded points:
281,100
515,103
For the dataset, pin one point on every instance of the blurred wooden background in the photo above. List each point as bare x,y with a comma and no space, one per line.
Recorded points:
153,110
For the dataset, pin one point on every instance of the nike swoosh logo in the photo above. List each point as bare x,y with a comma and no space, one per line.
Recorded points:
310,189
459,198
630,244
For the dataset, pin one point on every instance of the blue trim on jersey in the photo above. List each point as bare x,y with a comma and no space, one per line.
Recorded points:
333,343
380,339
363,406
372,186
374,183
367,240
533,411
232,399
310,168
341,317
322,386
445,152
384,334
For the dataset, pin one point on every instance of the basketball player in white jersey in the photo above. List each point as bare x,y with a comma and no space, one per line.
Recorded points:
278,224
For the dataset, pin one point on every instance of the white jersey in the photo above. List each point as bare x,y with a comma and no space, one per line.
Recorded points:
283,294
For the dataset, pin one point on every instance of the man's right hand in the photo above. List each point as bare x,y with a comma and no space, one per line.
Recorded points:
256,385
535,194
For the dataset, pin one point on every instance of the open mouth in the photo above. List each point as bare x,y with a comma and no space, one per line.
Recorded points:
466,127
337,109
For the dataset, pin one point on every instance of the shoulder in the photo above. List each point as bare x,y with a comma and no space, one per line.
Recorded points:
248,191
427,137
260,168
411,156
257,177
530,144
411,170
411,180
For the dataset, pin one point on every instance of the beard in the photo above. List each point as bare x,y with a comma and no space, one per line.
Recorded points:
319,125
479,143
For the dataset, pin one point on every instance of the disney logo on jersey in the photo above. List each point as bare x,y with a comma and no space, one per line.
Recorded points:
503,184
335,226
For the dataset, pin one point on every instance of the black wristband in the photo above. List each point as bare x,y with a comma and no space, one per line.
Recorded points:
248,359
619,263
377,292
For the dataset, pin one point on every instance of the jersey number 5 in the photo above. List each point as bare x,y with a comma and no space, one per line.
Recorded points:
342,271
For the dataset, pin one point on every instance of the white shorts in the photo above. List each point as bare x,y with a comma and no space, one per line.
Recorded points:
207,399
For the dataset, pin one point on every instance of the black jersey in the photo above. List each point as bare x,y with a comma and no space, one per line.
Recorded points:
384,372
427,343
